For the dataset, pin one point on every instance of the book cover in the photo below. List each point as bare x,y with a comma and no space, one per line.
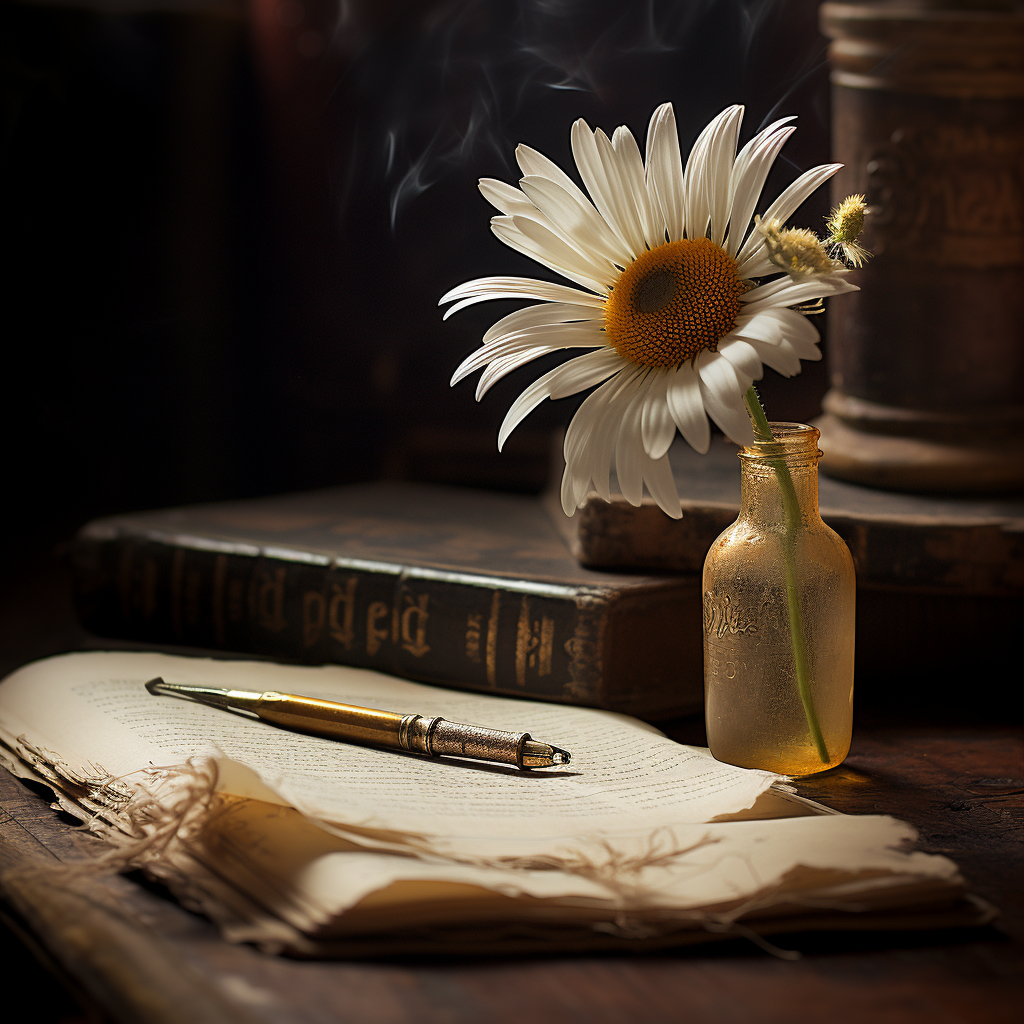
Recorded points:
463,588
950,544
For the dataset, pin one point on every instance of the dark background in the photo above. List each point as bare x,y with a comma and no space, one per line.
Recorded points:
226,229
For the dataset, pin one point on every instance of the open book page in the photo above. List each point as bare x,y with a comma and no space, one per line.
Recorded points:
259,863
625,778
691,873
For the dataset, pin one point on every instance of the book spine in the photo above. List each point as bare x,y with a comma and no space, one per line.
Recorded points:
473,632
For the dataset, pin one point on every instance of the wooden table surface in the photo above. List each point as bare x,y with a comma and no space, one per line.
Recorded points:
128,953
135,955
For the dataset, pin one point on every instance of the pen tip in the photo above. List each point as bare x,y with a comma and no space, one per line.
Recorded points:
559,756
154,685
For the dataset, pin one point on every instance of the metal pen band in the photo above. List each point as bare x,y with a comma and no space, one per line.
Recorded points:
415,733
437,737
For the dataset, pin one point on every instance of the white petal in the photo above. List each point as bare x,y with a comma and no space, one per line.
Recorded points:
753,150
723,397
505,198
504,365
695,194
657,426
498,350
787,202
568,491
720,158
537,316
551,337
571,377
623,205
576,219
631,166
750,172
483,289
687,407
759,327
665,170
782,358
610,403
583,443
767,289
533,163
598,267
662,485
585,371
523,406
601,452
595,177
757,265
801,291
629,446
804,349
515,203
793,324
743,357
572,265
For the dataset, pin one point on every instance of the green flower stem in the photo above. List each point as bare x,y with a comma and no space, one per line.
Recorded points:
791,506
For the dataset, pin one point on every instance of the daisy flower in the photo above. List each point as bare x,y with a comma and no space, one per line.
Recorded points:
676,294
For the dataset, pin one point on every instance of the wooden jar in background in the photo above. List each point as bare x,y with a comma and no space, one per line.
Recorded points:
927,360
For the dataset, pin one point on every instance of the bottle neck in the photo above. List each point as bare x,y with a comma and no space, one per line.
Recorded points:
793,453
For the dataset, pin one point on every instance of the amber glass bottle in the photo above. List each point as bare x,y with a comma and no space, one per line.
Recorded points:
779,592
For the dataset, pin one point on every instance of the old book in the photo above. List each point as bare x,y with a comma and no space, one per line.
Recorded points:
942,569
954,545
314,847
465,588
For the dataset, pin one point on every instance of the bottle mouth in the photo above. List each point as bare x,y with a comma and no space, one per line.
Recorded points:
789,440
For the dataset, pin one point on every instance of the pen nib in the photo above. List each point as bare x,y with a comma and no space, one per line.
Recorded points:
543,755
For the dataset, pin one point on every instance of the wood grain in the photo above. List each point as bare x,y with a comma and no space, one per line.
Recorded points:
138,956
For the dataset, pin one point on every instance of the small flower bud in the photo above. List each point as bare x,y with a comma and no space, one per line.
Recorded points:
845,224
797,251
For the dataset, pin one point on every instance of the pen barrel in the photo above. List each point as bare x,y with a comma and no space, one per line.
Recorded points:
439,737
415,733
328,718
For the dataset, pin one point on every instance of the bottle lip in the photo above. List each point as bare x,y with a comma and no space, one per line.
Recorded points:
790,440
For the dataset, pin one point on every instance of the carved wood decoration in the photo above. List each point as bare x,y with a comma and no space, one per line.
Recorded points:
927,360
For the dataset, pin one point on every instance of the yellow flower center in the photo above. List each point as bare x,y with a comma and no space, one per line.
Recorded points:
673,302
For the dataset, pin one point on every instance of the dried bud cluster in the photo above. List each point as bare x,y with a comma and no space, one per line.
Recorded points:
800,253
797,251
845,224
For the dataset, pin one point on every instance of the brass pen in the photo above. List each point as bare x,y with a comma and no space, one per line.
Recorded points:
413,733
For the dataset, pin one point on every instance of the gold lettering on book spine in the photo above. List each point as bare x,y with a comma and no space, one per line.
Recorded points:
474,626
314,615
375,636
547,643
534,641
414,637
492,639
524,642
344,600
270,600
408,626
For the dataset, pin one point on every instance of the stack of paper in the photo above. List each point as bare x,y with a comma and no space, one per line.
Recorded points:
311,846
